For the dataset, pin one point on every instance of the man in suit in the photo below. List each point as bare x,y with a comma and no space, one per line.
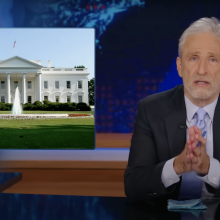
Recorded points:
165,160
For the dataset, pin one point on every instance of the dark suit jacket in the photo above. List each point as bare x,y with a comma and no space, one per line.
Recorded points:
157,138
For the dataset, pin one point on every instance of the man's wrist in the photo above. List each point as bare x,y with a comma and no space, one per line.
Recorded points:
176,167
206,167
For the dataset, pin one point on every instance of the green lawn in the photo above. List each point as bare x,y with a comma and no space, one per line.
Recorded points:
77,133
51,112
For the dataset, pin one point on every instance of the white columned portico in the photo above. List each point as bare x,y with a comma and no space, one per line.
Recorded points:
39,86
24,88
8,88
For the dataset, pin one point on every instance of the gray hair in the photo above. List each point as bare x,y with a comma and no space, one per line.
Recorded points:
211,25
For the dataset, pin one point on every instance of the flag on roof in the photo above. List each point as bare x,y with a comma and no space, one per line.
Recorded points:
14,44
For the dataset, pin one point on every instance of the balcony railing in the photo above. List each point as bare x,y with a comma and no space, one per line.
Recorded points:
64,69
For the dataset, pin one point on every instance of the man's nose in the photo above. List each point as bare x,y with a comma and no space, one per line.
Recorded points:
202,66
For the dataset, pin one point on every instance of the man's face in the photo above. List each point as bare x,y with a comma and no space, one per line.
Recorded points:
199,66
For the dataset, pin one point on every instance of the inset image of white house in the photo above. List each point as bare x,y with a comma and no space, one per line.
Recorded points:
38,83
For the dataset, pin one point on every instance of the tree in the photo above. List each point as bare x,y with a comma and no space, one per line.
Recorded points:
91,84
79,66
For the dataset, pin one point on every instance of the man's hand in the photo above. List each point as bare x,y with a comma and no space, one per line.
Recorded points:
198,156
182,163
193,157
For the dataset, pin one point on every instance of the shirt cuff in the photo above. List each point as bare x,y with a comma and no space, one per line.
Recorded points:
169,176
213,176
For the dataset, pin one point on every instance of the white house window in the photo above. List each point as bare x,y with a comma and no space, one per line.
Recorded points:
80,98
29,99
3,99
68,98
79,84
57,98
29,84
68,86
56,84
15,84
45,84
2,84
46,98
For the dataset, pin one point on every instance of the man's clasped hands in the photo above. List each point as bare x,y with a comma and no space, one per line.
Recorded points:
193,157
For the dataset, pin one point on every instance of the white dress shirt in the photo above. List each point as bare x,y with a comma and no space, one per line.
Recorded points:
169,175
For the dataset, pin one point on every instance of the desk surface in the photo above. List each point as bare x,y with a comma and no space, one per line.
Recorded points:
9,179
92,159
57,207
76,182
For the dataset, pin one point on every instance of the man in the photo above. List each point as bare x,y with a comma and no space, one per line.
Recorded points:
164,160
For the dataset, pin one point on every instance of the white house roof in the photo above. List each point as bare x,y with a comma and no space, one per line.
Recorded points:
36,61
18,62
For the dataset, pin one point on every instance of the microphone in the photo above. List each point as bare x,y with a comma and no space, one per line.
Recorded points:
183,126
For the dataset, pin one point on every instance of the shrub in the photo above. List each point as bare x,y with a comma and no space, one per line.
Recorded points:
57,106
62,106
73,104
36,107
72,108
53,106
46,102
45,107
2,106
8,106
50,107
66,106
82,106
37,103
27,106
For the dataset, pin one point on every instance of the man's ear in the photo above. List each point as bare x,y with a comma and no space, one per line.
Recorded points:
178,65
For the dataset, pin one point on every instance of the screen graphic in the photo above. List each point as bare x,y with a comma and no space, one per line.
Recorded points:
45,80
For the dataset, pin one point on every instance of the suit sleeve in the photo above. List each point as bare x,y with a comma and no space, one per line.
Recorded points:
142,177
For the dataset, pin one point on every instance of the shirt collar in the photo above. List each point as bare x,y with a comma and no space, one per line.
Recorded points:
191,109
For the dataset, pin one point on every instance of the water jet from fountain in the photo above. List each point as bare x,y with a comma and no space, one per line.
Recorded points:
16,109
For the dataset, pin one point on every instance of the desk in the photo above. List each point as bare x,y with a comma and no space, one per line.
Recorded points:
72,172
113,140
9,179
94,182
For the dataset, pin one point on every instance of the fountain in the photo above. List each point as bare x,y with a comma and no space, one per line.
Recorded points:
16,109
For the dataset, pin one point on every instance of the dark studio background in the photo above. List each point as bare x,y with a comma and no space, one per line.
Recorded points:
139,58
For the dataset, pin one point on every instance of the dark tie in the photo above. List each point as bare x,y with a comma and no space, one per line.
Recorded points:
191,185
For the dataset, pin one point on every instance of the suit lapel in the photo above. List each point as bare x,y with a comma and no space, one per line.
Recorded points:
216,131
176,118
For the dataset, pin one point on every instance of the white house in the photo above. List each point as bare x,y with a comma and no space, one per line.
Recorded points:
38,83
